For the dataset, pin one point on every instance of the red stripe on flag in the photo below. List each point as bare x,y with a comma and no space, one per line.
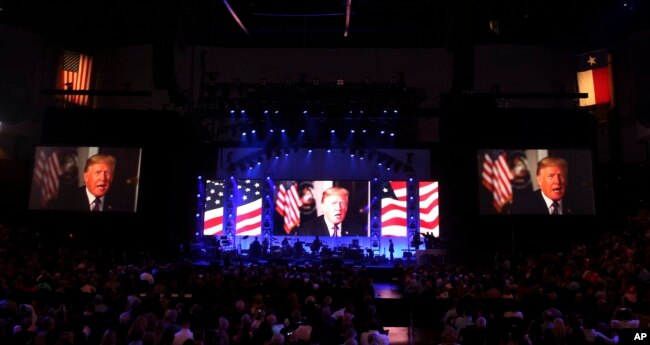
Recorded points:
213,222
249,219
602,89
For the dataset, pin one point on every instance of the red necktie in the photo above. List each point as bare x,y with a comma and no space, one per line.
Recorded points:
336,231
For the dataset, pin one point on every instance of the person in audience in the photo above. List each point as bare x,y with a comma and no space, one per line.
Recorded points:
624,318
332,223
184,333
374,331
595,332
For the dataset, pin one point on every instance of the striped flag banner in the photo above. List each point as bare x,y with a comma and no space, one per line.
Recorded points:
594,78
213,214
429,210
77,71
248,198
287,204
393,209
47,171
496,177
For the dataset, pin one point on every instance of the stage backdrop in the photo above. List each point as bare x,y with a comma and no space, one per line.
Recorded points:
323,164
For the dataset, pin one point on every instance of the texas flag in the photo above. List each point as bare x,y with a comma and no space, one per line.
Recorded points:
593,78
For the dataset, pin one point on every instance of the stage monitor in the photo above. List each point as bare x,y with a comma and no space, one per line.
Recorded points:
72,178
528,181
309,208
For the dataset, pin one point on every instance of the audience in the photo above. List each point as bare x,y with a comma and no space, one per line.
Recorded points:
585,295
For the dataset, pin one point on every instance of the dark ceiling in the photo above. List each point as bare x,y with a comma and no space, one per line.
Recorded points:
88,24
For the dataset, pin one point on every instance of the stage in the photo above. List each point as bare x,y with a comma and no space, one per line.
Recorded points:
299,251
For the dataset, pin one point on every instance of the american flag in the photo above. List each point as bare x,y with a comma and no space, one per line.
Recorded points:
393,209
593,78
429,210
213,211
287,204
77,70
496,177
47,170
248,196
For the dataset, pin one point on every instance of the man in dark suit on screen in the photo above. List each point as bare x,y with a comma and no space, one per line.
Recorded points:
332,223
94,196
550,198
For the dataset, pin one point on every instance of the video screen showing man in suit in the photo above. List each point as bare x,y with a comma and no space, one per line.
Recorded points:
536,182
551,197
83,178
333,222
98,176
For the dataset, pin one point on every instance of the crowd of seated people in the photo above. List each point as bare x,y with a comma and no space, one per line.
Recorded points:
63,295
586,294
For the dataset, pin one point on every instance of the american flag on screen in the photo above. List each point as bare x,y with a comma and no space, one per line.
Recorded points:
47,170
287,204
496,177
429,210
213,212
393,209
77,70
248,196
